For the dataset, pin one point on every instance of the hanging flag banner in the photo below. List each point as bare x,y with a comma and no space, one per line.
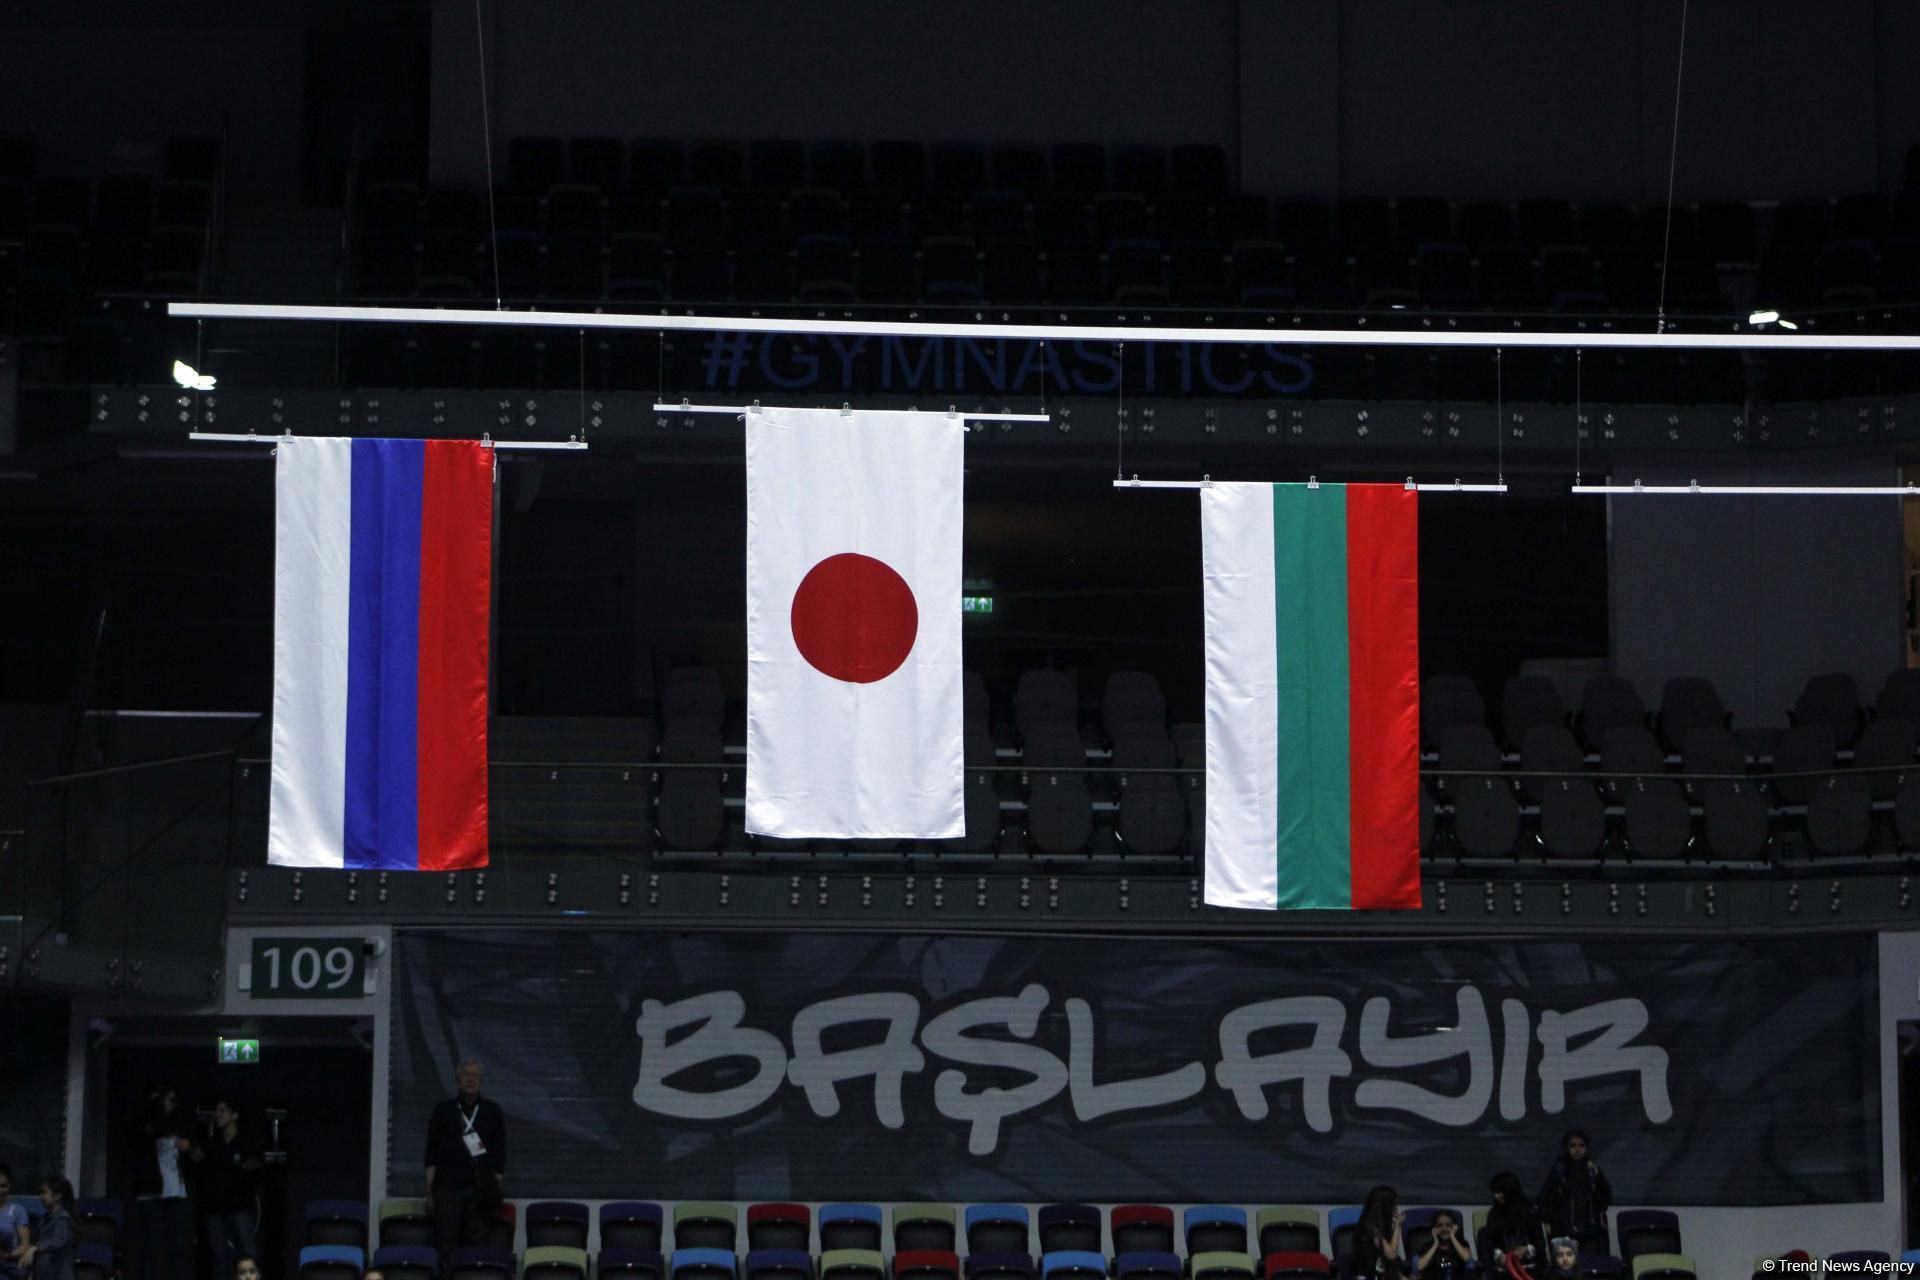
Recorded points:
1312,604
382,585
854,688
831,1064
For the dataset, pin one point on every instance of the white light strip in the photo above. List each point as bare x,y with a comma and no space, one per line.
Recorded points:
234,438
1456,487
1053,332
684,407
1761,490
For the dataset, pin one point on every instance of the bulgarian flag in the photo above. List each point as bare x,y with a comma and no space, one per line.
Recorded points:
1313,695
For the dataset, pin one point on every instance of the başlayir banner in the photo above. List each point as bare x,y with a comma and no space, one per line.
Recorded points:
822,1066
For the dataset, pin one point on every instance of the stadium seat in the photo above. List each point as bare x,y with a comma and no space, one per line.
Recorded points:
1221,1264
704,1224
777,1264
1899,697
1886,746
1646,1231
1297,1265
629,1264
481,1262
1840,818
558,1223
1486,815
1287,1228
332,1262
1548,749
1448,701
1832,699
1137,1228
630,1224
1609,702
1215,1228
1153,813
1663,1266
1000,1266
1734,826
1573,821
407,1262
555,1262
852,1264
923,1226
701,1263
405,1222
1529,702
997,1228
97,1222
1069,1228
1686,703
1148,1266
502,1227
1805,748
1132,697
1342,1222
849,1226
1073,1264
338,1222
92,1262
1600,1266
926,1264
1045,697
779,1226
1712,749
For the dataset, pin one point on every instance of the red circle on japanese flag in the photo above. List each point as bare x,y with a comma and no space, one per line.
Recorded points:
854,618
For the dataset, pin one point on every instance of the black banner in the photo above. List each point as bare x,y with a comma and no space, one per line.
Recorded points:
818,1066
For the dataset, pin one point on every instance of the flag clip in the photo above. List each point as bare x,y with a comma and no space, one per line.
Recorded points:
1411,486
1313,482
846,410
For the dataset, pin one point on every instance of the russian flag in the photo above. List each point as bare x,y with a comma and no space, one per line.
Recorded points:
382,586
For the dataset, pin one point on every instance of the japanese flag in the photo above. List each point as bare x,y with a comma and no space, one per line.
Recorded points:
854,694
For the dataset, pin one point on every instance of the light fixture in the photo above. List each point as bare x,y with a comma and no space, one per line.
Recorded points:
1763,317
191,378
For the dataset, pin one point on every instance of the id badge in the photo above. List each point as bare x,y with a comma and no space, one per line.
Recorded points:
475,1147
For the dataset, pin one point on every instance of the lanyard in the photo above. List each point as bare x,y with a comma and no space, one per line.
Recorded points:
468,1117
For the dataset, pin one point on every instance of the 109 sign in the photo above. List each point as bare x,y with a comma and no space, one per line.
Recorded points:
308,969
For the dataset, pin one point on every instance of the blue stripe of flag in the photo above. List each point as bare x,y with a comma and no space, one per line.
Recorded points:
383,656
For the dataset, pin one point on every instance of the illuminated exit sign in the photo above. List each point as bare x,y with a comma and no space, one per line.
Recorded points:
976,604
239,1052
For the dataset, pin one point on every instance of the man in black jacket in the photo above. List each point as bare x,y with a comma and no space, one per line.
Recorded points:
466,1163
227,1169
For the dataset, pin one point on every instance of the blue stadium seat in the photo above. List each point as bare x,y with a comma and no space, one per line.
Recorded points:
702,1264
1073,1264
92,1262
1215,1228
997,1228
629,1224
1341,1223
1147,1266
332,1262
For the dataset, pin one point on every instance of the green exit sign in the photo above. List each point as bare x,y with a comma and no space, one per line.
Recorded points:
239,1052
976,604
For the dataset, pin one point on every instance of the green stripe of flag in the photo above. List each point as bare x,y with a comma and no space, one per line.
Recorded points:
1310,642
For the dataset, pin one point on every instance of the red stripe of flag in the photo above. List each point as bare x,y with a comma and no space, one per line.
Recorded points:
1383,679
456,584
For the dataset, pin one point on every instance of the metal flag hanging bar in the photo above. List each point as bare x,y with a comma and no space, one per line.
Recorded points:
485,442
755,407
1909,490
1313,482
1668,340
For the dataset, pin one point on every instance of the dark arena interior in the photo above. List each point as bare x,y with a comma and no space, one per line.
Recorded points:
968,640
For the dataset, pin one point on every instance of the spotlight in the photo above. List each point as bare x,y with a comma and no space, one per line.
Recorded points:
1763,317
187,376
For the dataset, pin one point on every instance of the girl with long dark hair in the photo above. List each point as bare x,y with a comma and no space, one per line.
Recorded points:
1512,1241
1376,1237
